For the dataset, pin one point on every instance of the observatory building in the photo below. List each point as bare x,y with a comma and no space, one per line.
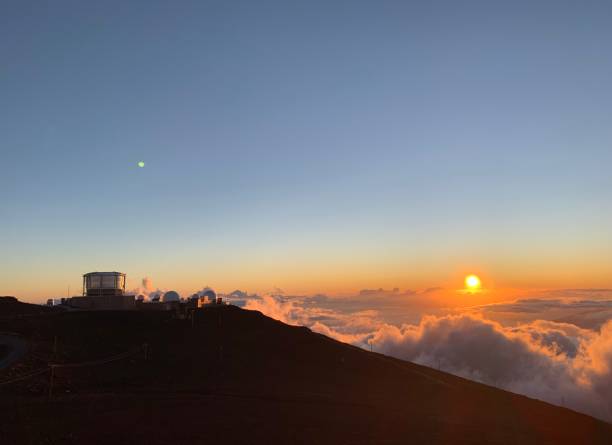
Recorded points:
103,291
103,283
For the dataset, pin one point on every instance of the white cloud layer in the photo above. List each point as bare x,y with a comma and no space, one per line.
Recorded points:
557,362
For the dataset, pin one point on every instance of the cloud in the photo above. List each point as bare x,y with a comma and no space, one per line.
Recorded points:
582,293
432,290
534,305
351,327
586,313
530,305
277,291
557,362
146,289
147,284
381,291
286,312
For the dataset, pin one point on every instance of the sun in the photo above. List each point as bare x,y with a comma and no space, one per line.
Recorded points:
472,282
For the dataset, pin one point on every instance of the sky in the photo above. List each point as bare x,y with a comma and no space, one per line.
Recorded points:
320,146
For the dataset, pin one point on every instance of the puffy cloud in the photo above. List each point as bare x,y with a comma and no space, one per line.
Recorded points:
353,327
528,359
286,312
147,284
557,362
147,289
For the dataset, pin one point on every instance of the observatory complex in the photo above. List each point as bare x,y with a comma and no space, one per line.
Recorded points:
105,291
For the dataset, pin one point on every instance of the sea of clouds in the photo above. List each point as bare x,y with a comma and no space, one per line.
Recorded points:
555,345
526,346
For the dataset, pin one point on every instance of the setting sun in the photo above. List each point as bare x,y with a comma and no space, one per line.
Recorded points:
472,282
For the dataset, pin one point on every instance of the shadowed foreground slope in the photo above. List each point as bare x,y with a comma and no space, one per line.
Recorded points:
236,376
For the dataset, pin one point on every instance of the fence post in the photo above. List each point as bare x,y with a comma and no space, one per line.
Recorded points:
51,378
55,347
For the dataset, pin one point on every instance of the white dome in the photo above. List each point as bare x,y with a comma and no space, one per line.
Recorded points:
209,293
155,296
171,296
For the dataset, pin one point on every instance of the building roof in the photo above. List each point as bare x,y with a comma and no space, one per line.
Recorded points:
103,273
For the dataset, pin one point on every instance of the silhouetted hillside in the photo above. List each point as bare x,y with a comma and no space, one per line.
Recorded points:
10,306
236,376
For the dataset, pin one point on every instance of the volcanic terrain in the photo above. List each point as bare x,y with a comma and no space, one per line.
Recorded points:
235,376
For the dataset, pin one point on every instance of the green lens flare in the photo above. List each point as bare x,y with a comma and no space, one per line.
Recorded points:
141,164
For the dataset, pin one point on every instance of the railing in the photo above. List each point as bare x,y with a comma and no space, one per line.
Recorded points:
51,367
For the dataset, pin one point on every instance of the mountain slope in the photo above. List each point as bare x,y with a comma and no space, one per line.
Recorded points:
10,306
236,376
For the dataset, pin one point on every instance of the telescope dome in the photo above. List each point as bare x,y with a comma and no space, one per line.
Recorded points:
209,293
171,296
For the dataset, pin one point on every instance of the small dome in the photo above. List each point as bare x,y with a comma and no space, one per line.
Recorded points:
140,298
209,293
171,296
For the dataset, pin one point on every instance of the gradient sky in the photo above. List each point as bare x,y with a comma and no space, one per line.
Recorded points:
315,146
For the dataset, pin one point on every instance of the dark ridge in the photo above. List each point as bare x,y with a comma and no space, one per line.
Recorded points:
237,376
10,306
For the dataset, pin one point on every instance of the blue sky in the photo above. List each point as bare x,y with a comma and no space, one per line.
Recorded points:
352,144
